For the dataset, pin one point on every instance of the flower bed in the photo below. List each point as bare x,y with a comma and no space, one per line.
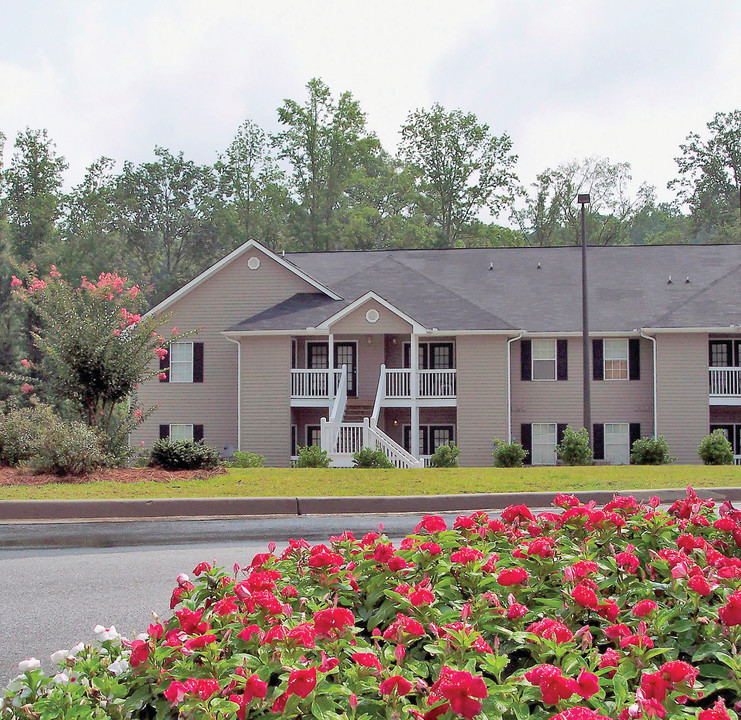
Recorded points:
625,612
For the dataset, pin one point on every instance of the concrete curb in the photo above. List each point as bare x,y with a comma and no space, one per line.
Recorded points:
96,510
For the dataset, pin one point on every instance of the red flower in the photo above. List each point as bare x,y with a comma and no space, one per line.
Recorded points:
516,512
643,608
420,596
368,660
513,576
463,690
301,682
333,621
431,547
466,555
610,658
654,686
139,652
678,671
578,713
254,688
730,613
551,630
608,610
516,611
432,523
717,712
175,692
700,585
397,684
554,686
202,566
588,684
584,595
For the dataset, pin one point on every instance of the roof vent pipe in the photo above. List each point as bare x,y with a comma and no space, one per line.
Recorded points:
669,282
491,266
687,280
538,266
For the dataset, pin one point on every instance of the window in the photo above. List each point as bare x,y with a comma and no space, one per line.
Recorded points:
181,432
544,443
432,356
616,359
720,353
617,443
181,362
544,359
314,435
430,437
318,356
294,440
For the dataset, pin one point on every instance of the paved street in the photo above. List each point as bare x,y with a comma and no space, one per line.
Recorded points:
52,598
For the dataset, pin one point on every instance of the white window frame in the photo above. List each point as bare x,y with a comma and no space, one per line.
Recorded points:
615,358
623,447
188,364
187,434
552,451
554,359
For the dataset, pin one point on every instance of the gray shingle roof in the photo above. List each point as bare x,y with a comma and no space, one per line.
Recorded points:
537,289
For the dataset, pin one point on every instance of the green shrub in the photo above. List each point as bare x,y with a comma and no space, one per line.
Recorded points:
508,455
244,459
368,458
574,447
312,456
446,456
68,448
183,455
650,451
715,449
21,431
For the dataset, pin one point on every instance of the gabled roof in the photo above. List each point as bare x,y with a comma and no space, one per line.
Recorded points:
231,257
355,304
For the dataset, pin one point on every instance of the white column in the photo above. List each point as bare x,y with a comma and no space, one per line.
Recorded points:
330,363
413,389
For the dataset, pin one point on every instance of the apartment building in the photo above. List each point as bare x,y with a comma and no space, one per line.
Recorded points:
408,349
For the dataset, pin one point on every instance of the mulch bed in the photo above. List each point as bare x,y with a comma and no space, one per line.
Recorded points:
20,476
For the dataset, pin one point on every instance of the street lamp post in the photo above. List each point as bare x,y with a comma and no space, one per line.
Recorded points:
583,199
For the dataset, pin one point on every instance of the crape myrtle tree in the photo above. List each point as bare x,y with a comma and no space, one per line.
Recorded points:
95,347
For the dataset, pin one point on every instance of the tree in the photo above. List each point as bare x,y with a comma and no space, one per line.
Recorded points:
252,191
32,199
461,168
165,214
329,149
710,173
551,215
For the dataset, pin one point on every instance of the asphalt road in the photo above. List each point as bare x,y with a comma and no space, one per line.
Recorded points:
52,598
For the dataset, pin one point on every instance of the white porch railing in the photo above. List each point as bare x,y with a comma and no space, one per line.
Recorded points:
377,439
737,459
398,383
437,383
725,381
314,383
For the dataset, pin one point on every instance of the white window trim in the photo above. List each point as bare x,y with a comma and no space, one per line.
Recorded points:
181,342
626,358
627,435
533,443
182,425
555,361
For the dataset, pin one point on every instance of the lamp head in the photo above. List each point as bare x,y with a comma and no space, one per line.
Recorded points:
583,198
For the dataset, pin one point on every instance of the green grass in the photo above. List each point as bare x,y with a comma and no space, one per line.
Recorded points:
272,482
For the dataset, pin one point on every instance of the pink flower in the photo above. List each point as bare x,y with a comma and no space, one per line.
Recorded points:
174,331
15,282
26,388
162,376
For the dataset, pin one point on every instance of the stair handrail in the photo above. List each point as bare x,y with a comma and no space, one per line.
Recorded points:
380,394
338,406
391,448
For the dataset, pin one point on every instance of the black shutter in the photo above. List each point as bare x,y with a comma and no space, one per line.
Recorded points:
165,367
197,362
635,433
562,359
598,368
525,357
197,433
526,440
634,358
407,356
560,430
164,432
598,440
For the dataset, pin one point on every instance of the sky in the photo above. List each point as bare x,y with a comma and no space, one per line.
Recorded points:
626,80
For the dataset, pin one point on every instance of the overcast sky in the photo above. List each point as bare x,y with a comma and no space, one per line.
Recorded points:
622,79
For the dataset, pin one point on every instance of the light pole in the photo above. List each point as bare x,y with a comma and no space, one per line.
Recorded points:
583,199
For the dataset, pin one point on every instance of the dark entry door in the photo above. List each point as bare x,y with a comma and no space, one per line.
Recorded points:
345,353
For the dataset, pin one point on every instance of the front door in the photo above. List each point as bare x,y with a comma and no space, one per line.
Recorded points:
345,353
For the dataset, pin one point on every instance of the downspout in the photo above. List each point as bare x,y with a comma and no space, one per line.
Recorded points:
239,390
656,412
509,384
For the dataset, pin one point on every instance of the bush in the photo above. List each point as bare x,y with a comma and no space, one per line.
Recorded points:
243,459
36,436
312,456
715,449
446,456
650,451
574,447
368,458
508,455
183,455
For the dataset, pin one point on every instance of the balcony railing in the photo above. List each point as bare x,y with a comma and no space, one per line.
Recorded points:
314,384
432,383
725,381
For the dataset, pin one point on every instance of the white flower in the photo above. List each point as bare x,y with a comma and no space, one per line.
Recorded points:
103,634
182,579
142,636
59,655
77,649
61,679
29,665
17,683
118,666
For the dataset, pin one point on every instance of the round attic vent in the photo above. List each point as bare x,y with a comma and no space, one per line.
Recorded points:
372,315
253,263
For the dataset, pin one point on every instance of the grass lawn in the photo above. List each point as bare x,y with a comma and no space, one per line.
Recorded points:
271,482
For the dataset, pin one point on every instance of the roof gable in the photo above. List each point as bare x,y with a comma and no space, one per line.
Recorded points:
371,298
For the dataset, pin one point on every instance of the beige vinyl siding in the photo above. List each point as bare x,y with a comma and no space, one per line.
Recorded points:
355,322
226,298
266,399
682,389
561,401
482,396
